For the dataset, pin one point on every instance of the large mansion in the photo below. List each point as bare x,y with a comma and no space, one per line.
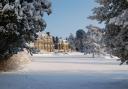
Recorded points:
45,44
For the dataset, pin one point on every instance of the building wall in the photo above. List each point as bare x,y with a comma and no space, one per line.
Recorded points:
63,46
45,44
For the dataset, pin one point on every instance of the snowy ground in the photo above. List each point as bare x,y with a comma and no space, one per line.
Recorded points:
75,71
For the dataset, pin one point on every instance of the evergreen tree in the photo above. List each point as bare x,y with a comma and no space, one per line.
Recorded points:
115,15
108,9
79,41
56,42
20,20
71,40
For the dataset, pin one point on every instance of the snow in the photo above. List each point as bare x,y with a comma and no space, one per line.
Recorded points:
74,54
76,71
59,54
120,19
108,57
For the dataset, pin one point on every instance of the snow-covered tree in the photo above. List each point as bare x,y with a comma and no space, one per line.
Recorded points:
56,42
20,20
115,15
80,39
108,9
71,40
93,42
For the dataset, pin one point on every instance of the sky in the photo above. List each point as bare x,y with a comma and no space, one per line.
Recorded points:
68,16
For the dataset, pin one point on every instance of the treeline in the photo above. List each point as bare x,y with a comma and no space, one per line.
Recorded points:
87,42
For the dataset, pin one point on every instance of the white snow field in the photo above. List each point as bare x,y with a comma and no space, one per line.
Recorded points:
68,72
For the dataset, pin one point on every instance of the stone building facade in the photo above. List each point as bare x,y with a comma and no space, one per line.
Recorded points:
45,44
63,46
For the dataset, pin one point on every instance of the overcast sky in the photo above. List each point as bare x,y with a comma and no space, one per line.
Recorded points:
68,16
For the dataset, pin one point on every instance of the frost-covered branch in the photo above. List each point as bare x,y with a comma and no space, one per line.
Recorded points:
20,20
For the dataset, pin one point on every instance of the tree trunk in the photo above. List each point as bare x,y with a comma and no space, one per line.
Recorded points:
93,55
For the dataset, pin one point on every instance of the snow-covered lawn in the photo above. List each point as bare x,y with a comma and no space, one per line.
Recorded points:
75,71
52,54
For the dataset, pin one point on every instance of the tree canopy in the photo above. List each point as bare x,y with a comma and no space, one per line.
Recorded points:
108,9
20,20
80,38
115,15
